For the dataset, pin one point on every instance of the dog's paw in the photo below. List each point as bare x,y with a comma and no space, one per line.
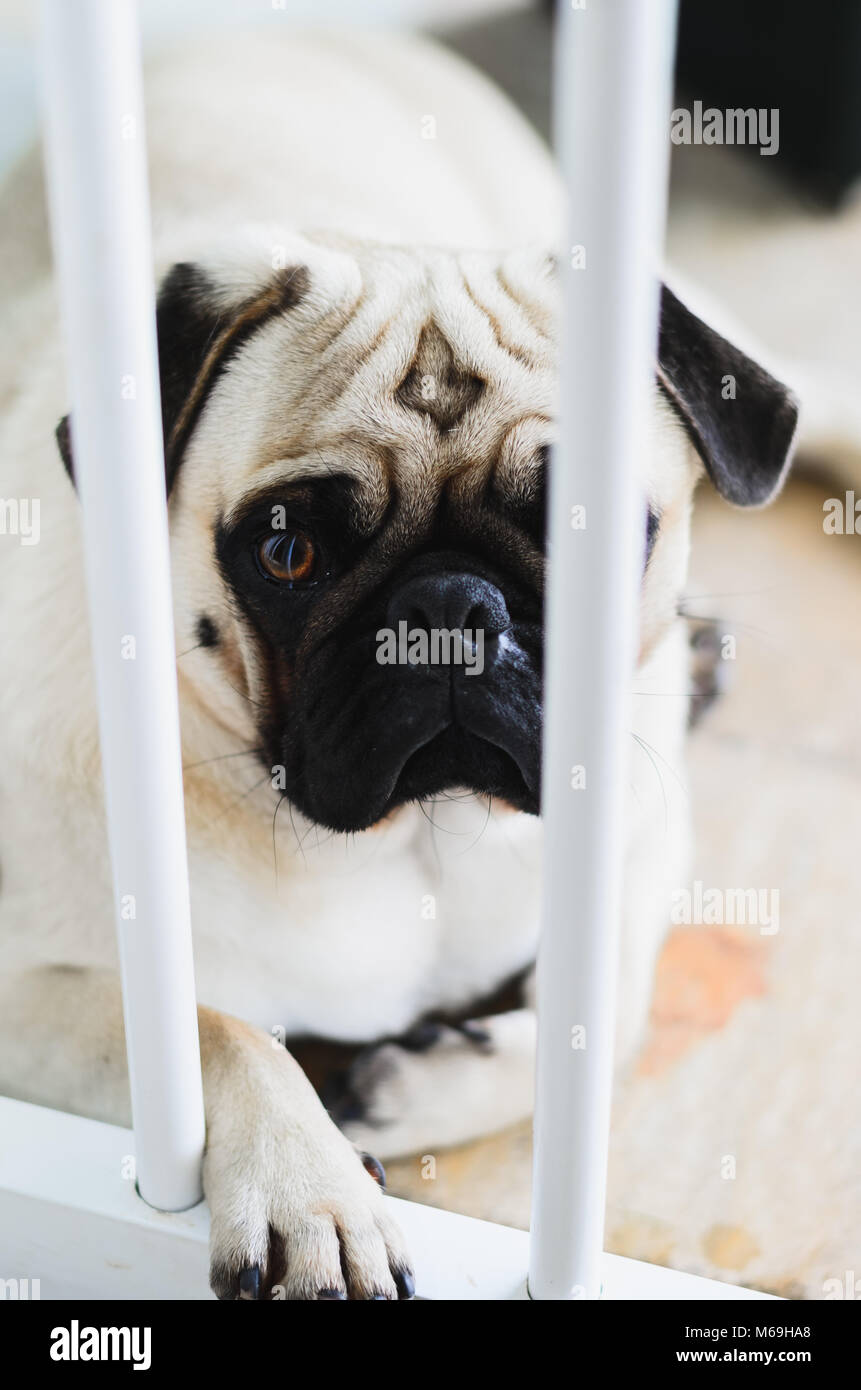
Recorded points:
295,1217
708,670
437,1086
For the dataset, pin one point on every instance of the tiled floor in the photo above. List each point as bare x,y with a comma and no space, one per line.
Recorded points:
736,1146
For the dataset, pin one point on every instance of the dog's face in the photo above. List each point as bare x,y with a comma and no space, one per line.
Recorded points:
357,452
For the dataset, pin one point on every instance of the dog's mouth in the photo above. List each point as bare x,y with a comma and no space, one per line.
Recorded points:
456,758
415,749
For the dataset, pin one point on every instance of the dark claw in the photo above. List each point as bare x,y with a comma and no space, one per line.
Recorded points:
376,1298
222,1281
375,1168
249,1283
475,1033
404,1283
427,1034
422,1036
332,1293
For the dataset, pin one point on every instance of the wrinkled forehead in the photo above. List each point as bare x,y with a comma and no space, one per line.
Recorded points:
405,371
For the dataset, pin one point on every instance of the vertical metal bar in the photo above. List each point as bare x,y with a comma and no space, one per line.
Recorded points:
612,88
96,167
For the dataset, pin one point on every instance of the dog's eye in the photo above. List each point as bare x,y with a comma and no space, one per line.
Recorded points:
288,556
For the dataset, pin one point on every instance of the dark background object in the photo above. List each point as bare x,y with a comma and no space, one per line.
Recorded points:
802,58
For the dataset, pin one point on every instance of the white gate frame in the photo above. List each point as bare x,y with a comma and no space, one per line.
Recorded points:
70,1213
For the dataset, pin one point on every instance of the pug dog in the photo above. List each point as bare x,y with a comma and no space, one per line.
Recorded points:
357,337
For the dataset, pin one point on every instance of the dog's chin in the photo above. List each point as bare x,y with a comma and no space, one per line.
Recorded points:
453,759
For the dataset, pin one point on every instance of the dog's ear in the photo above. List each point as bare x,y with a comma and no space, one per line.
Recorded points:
739,418
200,330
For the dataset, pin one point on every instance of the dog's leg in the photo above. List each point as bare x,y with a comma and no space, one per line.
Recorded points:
439,1085
295,1212
442,1085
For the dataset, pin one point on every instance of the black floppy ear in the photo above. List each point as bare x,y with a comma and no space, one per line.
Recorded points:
739,418
197,339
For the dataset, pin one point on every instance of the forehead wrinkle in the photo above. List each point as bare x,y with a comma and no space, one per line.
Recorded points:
349,364
520,554
362,401
469,482
341,366
519,465
481,342
536,296
390,295
506,327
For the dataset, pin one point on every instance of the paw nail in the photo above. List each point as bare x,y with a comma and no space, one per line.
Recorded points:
375,1168
475,1033
422,1037
222,1281
332,1293
249,1283
404,1283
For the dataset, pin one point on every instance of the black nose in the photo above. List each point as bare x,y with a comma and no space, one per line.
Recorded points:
451,601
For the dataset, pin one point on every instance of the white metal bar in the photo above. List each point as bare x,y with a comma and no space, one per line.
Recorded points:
98,194
79,1228
612,80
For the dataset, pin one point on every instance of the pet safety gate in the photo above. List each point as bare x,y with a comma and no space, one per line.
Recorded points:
71,1214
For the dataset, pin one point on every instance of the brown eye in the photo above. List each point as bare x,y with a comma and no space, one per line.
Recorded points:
288,556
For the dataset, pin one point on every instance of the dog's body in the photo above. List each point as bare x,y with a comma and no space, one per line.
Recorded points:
352,913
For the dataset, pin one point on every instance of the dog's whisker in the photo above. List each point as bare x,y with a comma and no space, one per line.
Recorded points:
433,827
677,694
730,593
316,829
243,696
435,801
241,753
483,828
724,622
240,799
274,849
299,843
646,749
667,765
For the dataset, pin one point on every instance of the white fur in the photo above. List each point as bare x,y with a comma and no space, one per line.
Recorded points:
349,938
